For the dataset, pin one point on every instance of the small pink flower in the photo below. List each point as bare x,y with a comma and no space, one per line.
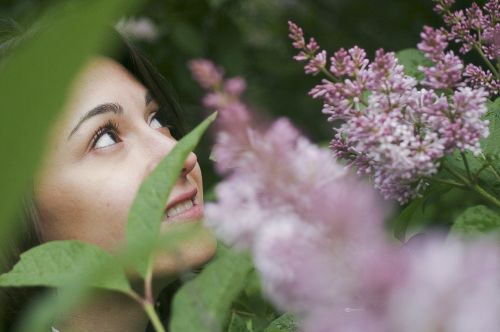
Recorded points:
206,73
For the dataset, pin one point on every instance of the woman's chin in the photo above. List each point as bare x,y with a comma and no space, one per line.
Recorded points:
194,250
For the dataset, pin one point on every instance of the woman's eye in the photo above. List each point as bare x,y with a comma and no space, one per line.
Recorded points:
106,135
105,140
157,121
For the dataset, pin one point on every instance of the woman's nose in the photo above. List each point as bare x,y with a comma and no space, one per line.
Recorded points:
158,147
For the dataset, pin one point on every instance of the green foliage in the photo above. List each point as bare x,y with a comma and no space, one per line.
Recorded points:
148,208
239,323
490,145
402,221
203,304
54,263
252,307
411,58
476,220
285,323
34,81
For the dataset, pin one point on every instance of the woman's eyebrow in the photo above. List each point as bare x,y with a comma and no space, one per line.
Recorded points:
98,110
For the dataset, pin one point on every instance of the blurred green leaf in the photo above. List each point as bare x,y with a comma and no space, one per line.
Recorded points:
203,304
411,58
35,79
491,144
148,207
284,323
476,220
41,314
53,263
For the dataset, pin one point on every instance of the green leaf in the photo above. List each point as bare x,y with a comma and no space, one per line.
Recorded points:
284,323
478,165
54,263
403,219
35,79
411,58
148,207
490,144
476,220
203,303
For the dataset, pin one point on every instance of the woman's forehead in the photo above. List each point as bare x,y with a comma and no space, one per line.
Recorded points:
103,77
102,80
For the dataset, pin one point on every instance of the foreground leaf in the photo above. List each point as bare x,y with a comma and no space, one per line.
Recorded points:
476,220
54,263
35,79
203,304
148,207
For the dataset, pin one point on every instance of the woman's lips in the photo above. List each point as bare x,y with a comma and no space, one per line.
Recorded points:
193,213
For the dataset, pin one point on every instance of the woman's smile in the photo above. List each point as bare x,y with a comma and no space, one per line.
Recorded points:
185,206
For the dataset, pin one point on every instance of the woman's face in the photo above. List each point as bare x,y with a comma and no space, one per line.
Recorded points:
109,139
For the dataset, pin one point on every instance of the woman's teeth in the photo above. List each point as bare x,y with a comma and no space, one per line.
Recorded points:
179,208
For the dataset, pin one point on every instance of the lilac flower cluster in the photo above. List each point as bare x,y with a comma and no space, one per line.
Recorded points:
291,204
316,233
393,130
475,28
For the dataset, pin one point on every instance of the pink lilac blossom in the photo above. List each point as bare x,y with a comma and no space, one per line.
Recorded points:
316,234
473,27
476,77
141,28
434,43
393,130
206,73
445,74
298,211
450,287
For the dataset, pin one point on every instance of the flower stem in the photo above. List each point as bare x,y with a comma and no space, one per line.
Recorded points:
149,309
153,316
474,186
148,282
466,164
487,61
494,170
328,74
449,182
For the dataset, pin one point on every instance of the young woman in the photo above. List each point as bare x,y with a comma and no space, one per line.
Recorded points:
119,121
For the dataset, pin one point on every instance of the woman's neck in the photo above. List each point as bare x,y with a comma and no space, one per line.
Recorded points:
108,312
